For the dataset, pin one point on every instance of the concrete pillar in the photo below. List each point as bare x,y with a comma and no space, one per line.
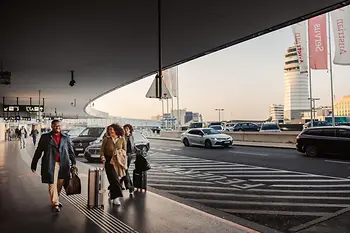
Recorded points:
2,132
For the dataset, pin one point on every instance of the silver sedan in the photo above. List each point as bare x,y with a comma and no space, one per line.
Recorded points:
206,137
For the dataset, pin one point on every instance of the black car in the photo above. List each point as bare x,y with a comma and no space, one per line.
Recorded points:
156,130
89,136
246,127
324,140
92,152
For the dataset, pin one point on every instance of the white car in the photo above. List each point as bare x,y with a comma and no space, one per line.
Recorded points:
230,127
207,137
218,128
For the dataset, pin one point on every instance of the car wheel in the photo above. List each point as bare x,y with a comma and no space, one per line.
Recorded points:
186,142
311,150
208,144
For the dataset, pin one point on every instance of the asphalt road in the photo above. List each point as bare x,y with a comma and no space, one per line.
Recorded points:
285,159
276,188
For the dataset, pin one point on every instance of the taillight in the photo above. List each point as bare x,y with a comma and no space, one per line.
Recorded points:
298,137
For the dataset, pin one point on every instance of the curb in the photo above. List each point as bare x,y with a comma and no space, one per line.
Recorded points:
235,144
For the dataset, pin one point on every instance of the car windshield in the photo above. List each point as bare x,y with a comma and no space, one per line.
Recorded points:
210,131
75,132
216,127
270,126
92,132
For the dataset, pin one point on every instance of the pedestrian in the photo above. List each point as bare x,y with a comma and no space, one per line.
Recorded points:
131,149
34,135
8,134
58,159
17,132
23,136
114,141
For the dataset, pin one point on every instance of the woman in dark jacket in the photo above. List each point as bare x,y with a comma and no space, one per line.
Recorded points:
130,151
115,140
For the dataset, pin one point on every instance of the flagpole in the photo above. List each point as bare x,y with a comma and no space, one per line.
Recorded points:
331,67
177,97
309,74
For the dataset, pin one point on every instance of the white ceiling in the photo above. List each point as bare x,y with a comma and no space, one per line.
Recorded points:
113,43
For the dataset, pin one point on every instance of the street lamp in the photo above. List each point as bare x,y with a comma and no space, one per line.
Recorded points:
219,110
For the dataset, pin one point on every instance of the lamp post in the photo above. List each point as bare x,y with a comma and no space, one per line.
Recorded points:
219,110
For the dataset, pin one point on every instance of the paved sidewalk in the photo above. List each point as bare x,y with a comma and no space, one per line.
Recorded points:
144,212
240,143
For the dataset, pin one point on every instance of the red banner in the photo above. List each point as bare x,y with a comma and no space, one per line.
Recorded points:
318,43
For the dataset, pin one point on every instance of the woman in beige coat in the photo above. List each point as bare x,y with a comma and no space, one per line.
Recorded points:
111,144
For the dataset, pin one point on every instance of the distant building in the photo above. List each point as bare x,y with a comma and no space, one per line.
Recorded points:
156,118
277,112
320,113
179,114
342,106
296,91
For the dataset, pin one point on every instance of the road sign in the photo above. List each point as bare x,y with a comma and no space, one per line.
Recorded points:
152,93
23,108
33,108
11,108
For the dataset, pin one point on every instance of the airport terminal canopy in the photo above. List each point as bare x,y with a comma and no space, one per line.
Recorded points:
113,43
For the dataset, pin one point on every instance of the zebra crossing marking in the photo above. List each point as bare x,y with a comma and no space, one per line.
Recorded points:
247,190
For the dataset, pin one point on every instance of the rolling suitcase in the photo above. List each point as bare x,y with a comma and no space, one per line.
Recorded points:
140,180
95,188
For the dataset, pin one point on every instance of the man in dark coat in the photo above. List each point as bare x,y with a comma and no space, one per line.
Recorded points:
58,154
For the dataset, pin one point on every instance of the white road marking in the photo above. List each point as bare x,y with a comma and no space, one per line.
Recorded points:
299,191
254,171
212,194
219,166
271,212
311,186
336,161
248,153
162,155
297,181
179,181
170,177
192,186
270,203
271,175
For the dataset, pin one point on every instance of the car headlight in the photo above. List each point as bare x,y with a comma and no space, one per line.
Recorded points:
95,142
215,139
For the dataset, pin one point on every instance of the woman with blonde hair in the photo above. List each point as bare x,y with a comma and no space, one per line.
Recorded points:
112,147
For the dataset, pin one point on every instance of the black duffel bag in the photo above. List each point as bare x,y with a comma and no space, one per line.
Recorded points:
74,184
